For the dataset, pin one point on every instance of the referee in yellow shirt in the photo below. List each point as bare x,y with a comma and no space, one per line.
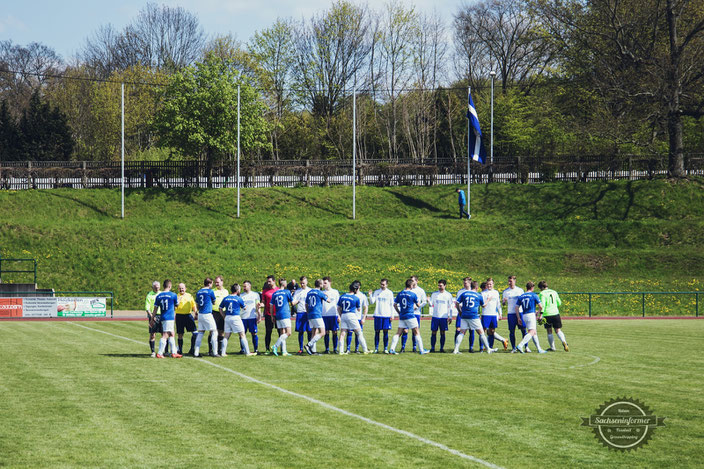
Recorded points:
184,317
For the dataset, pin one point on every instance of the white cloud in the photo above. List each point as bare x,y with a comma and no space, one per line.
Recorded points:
9,24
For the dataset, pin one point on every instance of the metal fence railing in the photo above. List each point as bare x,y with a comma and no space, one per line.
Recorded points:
17,175
649,303
4,262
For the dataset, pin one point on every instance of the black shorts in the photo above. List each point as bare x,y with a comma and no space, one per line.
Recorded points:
185,322
156,328
553,321
219,321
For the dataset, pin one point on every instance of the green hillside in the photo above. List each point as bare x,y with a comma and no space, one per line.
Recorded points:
602,236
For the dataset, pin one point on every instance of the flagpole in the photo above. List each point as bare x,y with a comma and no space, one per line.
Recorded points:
238,151
469,158
122,159
354,151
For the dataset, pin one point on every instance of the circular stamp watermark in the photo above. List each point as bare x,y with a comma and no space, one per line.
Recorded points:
623,424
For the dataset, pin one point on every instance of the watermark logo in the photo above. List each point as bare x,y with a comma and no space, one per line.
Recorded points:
623,424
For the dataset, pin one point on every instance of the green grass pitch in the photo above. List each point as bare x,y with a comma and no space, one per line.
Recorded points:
72,396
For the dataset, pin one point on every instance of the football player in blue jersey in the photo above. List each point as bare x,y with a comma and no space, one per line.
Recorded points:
205,298
166,301
281,302
314,312
530,302
468,303
404,305
347,307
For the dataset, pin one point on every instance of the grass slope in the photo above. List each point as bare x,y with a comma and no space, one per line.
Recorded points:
602,236
87,399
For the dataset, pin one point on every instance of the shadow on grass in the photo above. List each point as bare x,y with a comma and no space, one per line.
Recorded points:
126,355
188,195
420,204
308,202
80,202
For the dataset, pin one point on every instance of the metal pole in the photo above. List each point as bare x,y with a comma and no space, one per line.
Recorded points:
238,151
122,183
469,158
354,152
491,157
590,305
696,305
643,303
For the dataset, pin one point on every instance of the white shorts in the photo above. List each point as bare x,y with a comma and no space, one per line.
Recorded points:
283,323
529,321
349,321
167,326
473,324
234,324
408,323
316,323
206,322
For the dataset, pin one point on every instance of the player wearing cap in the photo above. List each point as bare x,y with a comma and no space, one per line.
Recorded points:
491,313
383,298
529,302
281,305
404,304
314,310
468,303
347,307
441,304
184,317
251,314
205,297
330,316
510,298
230,308
153,320
551,313
166,302
299,301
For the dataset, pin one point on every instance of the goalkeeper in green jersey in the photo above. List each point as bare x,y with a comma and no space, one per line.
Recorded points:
551,303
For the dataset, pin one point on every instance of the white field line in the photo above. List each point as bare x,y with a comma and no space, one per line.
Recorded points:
323,404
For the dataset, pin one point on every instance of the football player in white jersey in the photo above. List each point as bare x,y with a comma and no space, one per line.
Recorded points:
509,298
383,298
441,303
330,317
299,301
252,312
491,313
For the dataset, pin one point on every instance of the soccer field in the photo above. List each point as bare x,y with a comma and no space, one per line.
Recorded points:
87,394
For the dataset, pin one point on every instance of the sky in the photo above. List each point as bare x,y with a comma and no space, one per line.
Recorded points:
64,26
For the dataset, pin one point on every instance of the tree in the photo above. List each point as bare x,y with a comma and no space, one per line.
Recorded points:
23,70
198,116
44,133
161,37
504,36
9,134
645,58
272,49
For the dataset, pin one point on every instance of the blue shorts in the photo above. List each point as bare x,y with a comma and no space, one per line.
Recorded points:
250,325
302,322
490,322
513,322
382,324
331,323
438,323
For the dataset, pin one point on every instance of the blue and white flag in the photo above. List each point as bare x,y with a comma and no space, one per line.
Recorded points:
476,149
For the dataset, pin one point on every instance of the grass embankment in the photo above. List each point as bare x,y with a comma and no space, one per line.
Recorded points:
605,236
